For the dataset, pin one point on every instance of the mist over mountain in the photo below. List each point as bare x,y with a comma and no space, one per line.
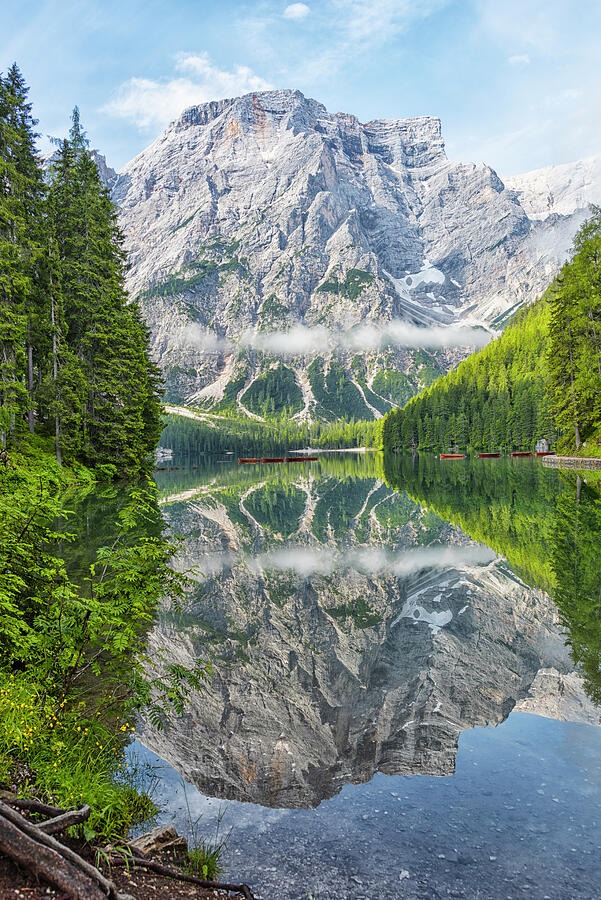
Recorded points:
267,214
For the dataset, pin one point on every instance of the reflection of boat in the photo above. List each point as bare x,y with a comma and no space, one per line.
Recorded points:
545,453
452,455
245,460
488,455
269,459
301,458
522,453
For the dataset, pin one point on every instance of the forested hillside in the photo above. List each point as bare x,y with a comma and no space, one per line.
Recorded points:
79,399
74,358
540,379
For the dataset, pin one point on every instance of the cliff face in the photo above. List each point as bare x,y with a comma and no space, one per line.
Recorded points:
352,632
268,213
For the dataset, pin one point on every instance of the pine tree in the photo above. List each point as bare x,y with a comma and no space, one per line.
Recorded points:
15,264
119,415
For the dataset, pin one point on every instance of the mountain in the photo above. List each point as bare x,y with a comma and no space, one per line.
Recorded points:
352,630
267,213
559,189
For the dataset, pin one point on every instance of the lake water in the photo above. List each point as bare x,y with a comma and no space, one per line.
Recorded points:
394,710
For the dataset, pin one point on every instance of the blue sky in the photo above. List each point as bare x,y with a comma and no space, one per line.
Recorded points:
517,83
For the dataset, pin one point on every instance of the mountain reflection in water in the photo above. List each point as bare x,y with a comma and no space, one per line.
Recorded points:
361,613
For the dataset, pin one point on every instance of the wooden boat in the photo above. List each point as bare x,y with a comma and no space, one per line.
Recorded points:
522,453
270,459
545,453
488,455
301,458
452,455
247,460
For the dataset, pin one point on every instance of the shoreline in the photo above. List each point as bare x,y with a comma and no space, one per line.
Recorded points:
572,462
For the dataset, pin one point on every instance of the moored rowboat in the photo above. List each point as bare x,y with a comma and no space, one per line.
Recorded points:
246,460
488,455
452,455
270,459
301,458
545,453
522,453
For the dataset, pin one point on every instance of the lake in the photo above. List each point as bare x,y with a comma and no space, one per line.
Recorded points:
406,675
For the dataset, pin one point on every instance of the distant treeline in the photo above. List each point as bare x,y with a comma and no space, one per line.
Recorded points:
540,379
219,434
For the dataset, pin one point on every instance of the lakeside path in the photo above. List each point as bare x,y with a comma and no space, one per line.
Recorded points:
572,462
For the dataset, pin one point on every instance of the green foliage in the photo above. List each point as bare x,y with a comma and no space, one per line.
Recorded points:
358,610
277,506
74,357
335,392
76,758
575,542
574,346
274,393
217,256
72,638
540,379
495,399
395,386
355,282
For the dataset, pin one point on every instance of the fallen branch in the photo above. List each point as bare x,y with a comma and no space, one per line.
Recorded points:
173,873
34,806
46,862
37,845
65,820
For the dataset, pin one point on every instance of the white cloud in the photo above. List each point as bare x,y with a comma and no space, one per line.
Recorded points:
309,561
302,340
153,104
520,59
296,11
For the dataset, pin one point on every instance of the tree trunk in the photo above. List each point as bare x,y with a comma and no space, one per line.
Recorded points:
57,421
576,425
30,413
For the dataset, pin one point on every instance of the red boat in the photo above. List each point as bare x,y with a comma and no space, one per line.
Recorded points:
545,453
488,455
522,453
270,459
452,455
247,460
301,458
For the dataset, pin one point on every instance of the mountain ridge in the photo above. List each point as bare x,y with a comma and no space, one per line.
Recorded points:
266,213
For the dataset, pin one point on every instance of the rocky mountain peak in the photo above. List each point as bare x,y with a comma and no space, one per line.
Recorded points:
267,213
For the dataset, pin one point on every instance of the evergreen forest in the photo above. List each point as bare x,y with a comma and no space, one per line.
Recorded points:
74,359
541,379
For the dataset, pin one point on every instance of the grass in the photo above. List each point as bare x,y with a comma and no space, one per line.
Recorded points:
59,753
204,857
